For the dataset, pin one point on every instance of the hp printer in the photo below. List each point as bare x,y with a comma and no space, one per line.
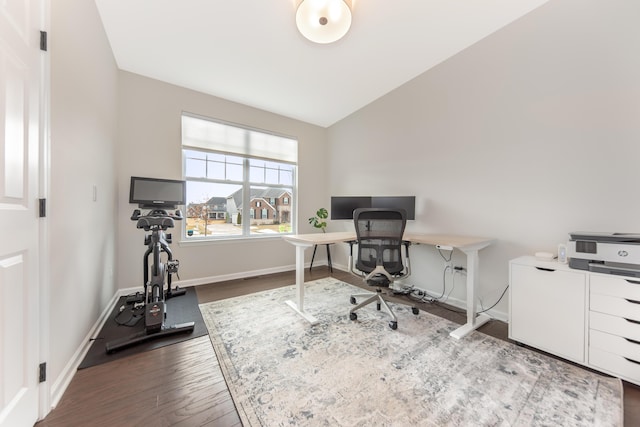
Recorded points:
611,253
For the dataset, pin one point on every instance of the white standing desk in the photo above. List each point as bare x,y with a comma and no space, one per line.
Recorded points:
469,245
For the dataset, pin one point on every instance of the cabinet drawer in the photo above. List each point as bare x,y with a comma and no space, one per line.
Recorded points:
613,363
616,345
615,286
614,325
616,306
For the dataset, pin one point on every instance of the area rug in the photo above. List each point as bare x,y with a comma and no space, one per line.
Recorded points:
282,372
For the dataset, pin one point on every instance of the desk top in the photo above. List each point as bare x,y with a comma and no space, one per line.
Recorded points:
459,242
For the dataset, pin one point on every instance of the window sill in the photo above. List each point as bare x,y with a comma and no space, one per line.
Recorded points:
231,240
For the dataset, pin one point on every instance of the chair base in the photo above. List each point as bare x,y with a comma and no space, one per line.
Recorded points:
378,297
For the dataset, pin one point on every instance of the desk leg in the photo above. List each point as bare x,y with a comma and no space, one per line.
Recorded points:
298,305
329,257
473,321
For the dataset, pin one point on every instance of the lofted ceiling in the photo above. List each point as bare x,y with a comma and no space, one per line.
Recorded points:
250,52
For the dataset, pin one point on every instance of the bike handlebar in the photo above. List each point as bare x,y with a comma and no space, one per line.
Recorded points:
157,213
156,218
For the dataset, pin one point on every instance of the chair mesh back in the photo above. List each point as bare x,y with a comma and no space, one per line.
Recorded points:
379,232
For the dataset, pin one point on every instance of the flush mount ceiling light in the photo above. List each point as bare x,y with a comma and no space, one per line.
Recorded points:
324,21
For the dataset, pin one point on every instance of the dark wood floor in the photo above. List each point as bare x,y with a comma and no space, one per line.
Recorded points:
182,385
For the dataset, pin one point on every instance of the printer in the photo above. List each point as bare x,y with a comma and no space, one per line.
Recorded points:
611,253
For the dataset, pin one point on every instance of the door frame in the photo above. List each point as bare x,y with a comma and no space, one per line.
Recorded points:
44,405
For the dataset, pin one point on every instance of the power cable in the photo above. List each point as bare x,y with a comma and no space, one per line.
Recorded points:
496,303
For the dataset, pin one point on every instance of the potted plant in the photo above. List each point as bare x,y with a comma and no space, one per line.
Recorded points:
318,221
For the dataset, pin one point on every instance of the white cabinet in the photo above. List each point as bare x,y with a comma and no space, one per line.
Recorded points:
589,318
547,307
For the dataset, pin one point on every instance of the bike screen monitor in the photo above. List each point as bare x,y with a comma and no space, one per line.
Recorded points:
157,192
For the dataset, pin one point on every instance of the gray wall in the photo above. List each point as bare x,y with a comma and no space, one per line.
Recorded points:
83,132
149,145
527,135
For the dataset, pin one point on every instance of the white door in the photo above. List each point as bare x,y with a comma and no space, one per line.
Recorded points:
20,133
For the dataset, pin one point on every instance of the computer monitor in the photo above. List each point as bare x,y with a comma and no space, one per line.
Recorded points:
342,207
408,203
157,192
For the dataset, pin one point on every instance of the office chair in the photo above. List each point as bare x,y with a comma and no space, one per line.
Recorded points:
380,262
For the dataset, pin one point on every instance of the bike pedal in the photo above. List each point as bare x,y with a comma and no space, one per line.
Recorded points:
135,299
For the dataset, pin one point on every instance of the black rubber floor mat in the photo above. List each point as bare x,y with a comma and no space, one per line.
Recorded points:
180,309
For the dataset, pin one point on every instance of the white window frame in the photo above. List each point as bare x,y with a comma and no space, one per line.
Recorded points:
270,147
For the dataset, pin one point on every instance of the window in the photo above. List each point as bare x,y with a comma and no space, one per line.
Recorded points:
235,173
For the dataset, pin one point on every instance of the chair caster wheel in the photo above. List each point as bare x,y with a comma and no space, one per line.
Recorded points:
393,325
415,310
353,300
353,316
378,306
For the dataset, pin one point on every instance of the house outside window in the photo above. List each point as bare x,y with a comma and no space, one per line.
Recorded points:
233,172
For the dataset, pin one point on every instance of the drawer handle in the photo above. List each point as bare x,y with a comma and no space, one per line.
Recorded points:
632,342
632,361
635,282
637,322
632,301
545,269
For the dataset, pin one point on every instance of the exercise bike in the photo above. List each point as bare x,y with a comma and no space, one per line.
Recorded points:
152,300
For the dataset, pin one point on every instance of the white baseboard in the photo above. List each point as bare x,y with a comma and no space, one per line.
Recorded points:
59,386
233,276
462,305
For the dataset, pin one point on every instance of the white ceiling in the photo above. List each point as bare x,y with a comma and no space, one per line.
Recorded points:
249,51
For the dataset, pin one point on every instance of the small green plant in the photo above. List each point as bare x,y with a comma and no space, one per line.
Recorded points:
284,228
318,221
